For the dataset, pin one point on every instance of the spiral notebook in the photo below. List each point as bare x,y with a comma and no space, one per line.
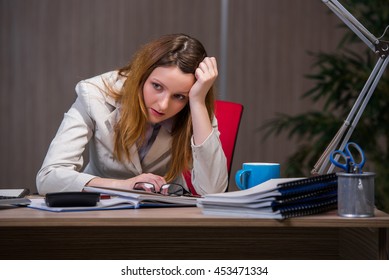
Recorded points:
276,198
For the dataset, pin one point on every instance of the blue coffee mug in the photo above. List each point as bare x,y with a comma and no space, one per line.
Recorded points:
255,173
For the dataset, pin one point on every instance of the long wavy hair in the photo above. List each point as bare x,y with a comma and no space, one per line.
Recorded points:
178,50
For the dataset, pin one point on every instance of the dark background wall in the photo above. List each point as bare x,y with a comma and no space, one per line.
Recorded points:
47,46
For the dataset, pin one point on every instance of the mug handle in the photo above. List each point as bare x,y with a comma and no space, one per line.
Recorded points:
241,178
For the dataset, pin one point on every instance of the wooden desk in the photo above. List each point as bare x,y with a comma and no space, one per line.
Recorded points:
185,233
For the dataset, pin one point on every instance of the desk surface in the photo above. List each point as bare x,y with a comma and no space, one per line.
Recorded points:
187,234
174,217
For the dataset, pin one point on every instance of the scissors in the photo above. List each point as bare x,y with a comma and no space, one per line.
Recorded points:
350,165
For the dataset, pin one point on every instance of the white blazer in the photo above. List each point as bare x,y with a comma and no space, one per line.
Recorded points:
90,122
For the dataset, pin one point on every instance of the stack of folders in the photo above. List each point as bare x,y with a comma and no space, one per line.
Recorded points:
276,198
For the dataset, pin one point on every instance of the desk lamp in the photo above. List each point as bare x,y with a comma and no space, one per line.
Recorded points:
381,48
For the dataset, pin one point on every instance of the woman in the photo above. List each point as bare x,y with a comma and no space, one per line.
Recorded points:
146,122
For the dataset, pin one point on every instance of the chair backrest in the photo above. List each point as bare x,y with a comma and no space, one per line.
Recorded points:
228,115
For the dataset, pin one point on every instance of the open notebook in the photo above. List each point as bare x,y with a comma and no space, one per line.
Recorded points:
147,199
114,203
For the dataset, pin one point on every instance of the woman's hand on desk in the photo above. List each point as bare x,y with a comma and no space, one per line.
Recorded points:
127,184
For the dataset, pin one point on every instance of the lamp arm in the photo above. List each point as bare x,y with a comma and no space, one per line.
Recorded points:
379,47
353,117
364,34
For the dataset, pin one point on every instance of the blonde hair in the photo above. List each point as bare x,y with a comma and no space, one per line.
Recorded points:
178,50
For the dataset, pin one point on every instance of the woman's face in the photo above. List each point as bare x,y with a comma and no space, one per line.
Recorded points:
166,92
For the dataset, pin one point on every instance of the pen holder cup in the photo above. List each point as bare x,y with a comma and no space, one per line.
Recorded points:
356,194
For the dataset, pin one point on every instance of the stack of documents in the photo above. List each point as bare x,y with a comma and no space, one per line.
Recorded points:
14,197
276,198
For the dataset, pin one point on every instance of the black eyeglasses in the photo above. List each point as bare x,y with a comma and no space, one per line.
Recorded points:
166,189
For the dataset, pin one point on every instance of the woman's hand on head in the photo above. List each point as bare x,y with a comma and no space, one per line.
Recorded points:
206,75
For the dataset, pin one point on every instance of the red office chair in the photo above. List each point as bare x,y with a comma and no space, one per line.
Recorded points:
228,115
